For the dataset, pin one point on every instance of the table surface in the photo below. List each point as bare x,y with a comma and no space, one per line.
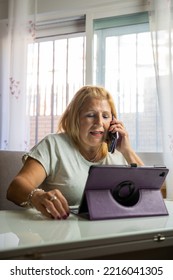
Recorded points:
27,233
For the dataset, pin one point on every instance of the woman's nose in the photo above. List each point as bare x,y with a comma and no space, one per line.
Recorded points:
99,120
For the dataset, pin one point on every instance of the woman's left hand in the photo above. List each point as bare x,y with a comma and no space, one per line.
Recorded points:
123,142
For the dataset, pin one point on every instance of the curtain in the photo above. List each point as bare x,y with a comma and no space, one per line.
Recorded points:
161,24
15,34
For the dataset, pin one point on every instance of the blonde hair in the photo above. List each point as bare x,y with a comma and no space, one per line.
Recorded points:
69,121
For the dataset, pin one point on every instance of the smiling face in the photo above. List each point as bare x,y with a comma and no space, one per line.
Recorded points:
94,122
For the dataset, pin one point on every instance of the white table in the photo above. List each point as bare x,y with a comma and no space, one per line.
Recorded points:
28,235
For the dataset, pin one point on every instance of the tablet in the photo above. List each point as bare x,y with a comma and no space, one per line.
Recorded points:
113,191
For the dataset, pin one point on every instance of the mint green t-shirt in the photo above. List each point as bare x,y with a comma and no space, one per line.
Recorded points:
66,169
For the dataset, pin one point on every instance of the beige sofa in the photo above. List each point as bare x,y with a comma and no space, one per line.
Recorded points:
10,164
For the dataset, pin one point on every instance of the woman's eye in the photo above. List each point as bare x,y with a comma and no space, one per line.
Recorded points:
106,116
93,115
90,115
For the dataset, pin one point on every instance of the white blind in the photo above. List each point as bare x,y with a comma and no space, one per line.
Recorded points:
60,27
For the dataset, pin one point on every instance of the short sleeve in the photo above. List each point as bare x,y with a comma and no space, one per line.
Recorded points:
43,153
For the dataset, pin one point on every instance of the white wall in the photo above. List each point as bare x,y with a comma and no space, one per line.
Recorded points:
60,8
45,6
3,9
64,8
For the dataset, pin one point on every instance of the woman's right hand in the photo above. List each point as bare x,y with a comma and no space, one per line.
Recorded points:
52,204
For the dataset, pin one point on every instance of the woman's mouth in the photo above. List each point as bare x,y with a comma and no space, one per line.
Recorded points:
97,133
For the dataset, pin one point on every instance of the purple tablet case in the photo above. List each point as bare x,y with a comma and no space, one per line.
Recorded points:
123,192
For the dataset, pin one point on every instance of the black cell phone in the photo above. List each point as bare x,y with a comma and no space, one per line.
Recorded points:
112,141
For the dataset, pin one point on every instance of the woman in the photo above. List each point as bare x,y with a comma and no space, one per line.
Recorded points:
60,162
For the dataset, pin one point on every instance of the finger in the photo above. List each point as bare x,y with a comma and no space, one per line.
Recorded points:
119,127
44,211
57,205
52,204
46,208
52,209
112,128
63,201
115,125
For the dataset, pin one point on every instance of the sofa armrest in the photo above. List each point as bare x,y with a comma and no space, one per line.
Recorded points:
10,164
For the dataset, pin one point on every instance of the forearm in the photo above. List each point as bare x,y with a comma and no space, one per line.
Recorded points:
29,178
19,190
132,157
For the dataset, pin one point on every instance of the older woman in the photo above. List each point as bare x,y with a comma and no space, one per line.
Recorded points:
60,162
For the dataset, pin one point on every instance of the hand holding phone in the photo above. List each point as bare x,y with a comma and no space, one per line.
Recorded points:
112,140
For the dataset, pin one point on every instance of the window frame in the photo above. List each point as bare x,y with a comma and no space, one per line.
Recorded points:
109,10
72,33
150,158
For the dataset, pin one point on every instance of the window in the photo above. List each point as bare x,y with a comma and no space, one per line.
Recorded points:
56,70
123,63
